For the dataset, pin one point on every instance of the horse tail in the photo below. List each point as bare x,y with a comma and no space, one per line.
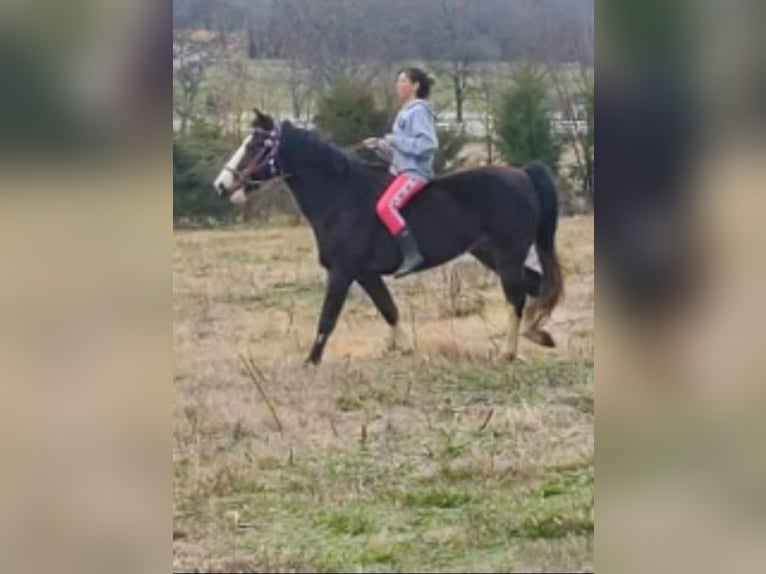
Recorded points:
552,286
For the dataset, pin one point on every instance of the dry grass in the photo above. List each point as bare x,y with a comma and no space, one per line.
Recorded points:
442,460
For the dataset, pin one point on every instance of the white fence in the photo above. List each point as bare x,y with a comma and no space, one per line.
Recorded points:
474,124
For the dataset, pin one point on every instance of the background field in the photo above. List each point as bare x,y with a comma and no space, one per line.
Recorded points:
442,460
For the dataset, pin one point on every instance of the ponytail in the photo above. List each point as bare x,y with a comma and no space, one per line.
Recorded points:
424,81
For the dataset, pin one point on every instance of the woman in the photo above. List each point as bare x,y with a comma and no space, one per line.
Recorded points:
411,147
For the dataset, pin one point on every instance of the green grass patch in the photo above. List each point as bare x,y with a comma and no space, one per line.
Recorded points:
381,522
348,403
561,506
554,525
530,380
350,521
437,498
345,558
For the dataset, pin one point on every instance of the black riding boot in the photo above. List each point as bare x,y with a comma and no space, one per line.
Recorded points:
412,256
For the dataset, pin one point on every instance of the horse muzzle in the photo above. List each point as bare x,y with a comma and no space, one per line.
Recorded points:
221,189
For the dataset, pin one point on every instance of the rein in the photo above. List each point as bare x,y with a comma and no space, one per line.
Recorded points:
268,156
359,146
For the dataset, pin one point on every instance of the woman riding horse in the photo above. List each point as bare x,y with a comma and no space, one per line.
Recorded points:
411,148
496,213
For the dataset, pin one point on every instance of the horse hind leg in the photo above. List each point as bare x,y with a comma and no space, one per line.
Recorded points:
511,271
531,325
483,252
532,318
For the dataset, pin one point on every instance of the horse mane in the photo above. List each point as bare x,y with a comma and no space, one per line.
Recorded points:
332,159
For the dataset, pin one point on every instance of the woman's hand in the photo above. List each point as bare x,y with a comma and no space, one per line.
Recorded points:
370,143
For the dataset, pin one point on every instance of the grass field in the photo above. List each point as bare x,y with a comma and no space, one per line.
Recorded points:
441,460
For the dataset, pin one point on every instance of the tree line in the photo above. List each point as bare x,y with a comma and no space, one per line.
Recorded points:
325,41
486,30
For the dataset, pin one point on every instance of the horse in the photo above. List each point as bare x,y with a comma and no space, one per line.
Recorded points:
495,213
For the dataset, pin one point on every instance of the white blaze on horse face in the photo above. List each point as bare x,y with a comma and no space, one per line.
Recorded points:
225,180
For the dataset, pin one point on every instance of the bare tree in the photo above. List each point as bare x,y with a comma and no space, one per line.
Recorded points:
285,33
488,85
567,54
190,63
230,96
332,41
455,38
356,28
462,44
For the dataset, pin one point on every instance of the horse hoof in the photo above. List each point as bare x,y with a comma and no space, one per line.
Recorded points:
541,337
508,356
399,342
515,358
399,351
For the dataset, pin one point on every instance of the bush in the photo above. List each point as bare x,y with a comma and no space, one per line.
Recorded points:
347,114
450,145
271,199
584,172
523,125
197,159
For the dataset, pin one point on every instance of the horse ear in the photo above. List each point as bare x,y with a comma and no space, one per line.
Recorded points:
262,120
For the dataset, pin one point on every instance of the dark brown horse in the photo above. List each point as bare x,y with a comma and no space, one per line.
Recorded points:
495,213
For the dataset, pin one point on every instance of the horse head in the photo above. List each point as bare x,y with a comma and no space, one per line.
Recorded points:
254,162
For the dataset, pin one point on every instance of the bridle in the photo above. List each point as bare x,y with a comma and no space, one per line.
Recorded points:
267,157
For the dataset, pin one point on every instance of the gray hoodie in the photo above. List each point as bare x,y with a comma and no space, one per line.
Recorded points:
413,142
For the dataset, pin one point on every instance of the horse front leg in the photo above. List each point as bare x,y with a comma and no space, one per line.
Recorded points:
338,284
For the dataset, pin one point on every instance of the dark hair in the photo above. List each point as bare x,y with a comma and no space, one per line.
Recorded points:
424,81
